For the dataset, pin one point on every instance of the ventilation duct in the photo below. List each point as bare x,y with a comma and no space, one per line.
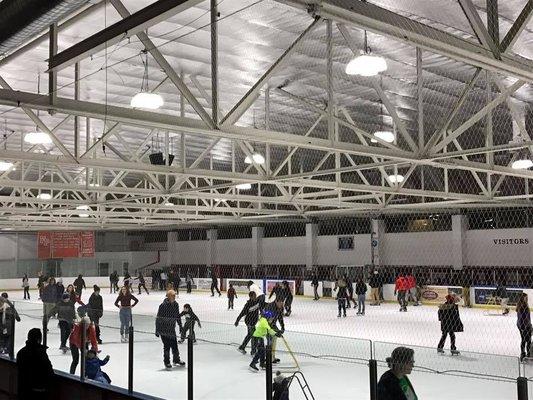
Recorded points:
22,20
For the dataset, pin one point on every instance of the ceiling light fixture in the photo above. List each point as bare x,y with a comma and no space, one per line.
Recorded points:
169,204
258,159
524,163
366,64
396,178
83,215
386,136
37,137
146,99
244,186
82,207
44,196
5,165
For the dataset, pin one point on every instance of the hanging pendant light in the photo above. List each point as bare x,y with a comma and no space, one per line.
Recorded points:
244,186
396,178
37,137
146,99
366,64
258,159
5,166
523,163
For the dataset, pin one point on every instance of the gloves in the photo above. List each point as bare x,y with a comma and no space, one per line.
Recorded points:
107,358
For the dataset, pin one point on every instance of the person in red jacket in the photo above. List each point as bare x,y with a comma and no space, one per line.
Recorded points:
411,283
75,339
401,288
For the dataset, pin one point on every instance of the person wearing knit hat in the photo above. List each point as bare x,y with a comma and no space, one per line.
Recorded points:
394,384
280,387
450,322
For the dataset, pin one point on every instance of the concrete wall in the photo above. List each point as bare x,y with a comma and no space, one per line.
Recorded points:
417,248
507,247
328,253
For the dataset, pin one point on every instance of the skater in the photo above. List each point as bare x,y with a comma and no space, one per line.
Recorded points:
66,316
374,283
142,282
394,384
340,288
231,296
41,282
175,280
75,339
60,289
190,320
8,314
401,288
280,387
466,283
277,291
260,296
503,297
96,311
168,315
163,280
74,298
125,302
411,285
360,290
79,284
349,291
314,283
450,322
93,368
34,369
26,287
276,308
288,298
189,281
250,312
214,284
523,323
113,282
128,281
262,329
49,298
155,278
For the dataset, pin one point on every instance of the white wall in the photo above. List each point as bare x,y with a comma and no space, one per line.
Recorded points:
229,251
510,248
328,253
189,252
285,250
417,248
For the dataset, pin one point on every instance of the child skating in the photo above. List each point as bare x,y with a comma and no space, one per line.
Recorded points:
190,320
231,296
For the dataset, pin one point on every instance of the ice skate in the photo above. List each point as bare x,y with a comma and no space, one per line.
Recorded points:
168,366
179,363
181,341
254,368
338,316
123,339
242,351
344,316
440,351
455,352
275,360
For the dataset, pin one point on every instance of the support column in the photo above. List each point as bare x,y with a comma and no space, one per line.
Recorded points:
211,247
52,75
257,246
311,247
459,228
376,241
76,118
214,61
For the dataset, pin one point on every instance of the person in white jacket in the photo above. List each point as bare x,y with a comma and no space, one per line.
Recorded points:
254,287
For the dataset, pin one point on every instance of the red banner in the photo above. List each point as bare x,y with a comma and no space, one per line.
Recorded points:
65,244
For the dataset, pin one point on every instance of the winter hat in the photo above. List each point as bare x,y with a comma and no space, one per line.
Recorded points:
279,377
82,311
96,288
66,296
4,295
268,314
91,353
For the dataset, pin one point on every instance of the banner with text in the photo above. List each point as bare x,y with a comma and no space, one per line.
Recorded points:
65,244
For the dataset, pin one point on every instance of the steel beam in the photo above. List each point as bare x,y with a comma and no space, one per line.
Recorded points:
479,28
521,22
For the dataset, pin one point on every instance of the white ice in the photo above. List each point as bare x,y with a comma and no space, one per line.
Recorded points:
331,352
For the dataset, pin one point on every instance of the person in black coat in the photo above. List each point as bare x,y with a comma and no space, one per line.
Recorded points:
168,315
8,316
60,289
314,283
96,310
342,294
142,283
280,387
214,284
394,384
450,322
66,316
79,284
34,368
288,298
250,312
49,298
190,320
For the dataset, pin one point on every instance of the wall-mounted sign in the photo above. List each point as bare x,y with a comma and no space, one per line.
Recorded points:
514,241
65,244
346,243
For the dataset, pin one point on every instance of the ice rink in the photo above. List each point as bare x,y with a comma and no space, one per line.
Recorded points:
332,352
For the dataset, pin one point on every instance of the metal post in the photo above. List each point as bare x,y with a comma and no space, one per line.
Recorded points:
76,118
130,359
214,61
82,349
52,75
373,372
45,330
329,76
11,348
521,383
190,372
268,374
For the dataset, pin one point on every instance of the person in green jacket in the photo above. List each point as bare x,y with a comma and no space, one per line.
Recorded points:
262,330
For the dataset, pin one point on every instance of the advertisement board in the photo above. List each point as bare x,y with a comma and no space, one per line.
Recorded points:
65,244
437,294
485,295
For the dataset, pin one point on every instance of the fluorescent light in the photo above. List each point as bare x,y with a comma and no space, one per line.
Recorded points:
82,207
386,136
151,101
522,164
94,184
396,178
218,199
5,165
37,138
366,65
244,186
258,159
83,215
169,204
44,196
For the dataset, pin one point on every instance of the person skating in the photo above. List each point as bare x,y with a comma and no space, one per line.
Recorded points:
60,289
66,316
288,298
128,281
523,323
163,280
26,287
394,384
75,339
349,292
190,320
232,295
260,296
96,310
501,294
34,369
340,288
276,308
411,285
250,312
450,322
374,283
466,284
125,302
41,282
175,280
168,315
314,283
278,292
360,291
400,288
280,387
214,284
93,368
142,282
49,298
74,298
79,284
189,282
8,316
262,330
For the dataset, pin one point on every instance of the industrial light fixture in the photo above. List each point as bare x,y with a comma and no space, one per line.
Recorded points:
37,137
44,196
396,178
386,136
258,159
5,165
82,207
244,186
146,99
524,163
169,204
366,64
82,215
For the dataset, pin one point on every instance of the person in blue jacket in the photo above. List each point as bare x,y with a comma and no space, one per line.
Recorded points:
93,368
